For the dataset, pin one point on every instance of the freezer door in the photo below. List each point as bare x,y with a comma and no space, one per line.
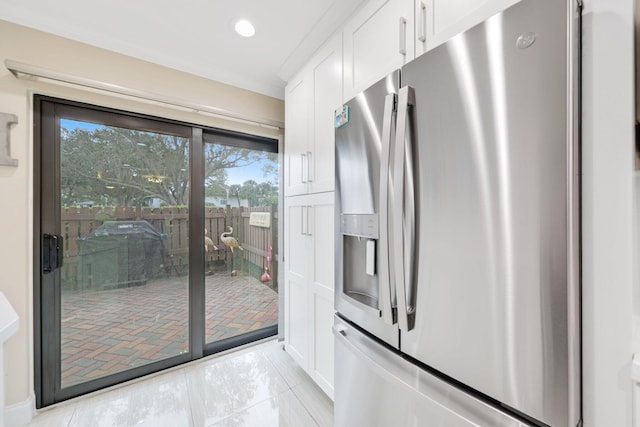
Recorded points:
494,288
374,386
363,146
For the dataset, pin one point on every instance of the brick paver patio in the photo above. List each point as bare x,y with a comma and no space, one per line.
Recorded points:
108,331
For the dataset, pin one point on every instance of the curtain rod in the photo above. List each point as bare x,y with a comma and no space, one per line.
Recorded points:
21,70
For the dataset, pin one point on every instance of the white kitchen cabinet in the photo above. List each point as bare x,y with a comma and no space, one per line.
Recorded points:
311,98
386,34
297,131
378,39
297,272
309,284
436,21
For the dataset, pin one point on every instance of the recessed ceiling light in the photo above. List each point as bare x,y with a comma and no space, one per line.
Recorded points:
245,28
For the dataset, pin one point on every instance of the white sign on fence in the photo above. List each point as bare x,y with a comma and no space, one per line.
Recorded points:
260,219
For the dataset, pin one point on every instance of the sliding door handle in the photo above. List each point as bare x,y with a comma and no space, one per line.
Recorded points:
52,252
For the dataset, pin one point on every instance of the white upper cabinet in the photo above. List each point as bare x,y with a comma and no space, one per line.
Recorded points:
439,20
297,132
386,34
311,98
327,97
378,39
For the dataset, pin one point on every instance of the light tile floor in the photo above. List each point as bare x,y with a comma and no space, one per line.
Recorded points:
256,386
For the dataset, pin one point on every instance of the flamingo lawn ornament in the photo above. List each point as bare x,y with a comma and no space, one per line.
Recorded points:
208,243
265,275
230,241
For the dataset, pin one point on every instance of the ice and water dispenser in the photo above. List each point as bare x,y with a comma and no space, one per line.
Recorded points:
359,257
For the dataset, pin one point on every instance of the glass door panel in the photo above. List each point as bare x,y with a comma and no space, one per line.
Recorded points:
124,299
167,235
241,200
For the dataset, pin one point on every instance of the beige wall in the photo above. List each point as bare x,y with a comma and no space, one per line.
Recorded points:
16,196
607,209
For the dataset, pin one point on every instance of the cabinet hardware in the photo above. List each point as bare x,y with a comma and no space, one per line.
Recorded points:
422,15
303,166
302,220
403,36
310,170
309,219
305,221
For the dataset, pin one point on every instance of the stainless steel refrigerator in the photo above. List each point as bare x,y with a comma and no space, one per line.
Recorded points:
457,232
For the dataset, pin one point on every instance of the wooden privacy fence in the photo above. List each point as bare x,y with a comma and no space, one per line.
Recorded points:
258,241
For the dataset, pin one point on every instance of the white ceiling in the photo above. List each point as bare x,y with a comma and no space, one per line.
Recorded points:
196,36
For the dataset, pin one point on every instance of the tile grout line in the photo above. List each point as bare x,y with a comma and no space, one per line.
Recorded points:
273,365
305,406
73,414
292,387
186,380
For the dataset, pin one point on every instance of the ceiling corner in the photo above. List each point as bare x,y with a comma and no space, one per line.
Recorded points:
327,25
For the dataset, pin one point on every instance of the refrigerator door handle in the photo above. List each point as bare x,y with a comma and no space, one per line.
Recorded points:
387,308
404,215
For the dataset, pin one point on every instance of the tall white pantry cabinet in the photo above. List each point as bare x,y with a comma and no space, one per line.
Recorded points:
381,36
311,97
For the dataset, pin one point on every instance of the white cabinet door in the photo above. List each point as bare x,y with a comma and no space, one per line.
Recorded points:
297,130
323,219
323,364
309,282
326,69
439,20
311,98
377,40
298,259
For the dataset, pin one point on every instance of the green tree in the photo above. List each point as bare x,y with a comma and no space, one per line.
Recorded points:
258,194
125,167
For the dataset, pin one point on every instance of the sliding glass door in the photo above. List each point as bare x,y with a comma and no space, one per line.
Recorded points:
241,199
136,270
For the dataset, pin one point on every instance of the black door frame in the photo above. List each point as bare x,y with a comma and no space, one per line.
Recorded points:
46,296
